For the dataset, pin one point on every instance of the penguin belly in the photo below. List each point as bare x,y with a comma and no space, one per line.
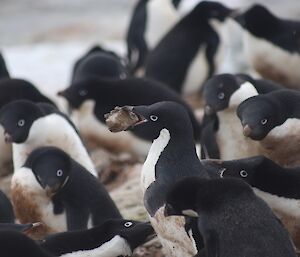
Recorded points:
232,143
91,128
272,62
6,166
282,143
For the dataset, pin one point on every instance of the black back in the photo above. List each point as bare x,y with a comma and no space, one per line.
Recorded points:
170,60
260,22
6,209
3,69
136,43
131,91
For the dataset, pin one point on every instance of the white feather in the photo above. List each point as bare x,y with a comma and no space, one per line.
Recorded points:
245,91
5,153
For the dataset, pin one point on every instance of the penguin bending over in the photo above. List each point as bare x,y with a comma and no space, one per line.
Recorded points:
187,54
30,126
92,98
272,45
221,132
231,218
273,120
83,197
172,156
279,187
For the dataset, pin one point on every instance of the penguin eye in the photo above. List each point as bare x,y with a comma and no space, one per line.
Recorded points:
153,118
221,95
82,92
128,224
59,173
243,173
264,121
21,123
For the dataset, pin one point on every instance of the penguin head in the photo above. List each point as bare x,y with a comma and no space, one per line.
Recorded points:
246,169
258,20
135,233
78,92
17,118
162,115
259,115
51,167
212,10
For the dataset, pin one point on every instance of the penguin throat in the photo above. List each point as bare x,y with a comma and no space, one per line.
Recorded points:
245,91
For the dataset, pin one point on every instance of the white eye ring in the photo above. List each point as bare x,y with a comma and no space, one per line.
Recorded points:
21,123
264,121
243,173
82,92
128,224
153,118
221,95
59,173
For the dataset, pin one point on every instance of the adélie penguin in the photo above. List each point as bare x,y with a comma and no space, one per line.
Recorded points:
222,95
150,21
86,201
272,45
273,120
171,157
29,126
231,218
188,53
92,98
3,69
279,187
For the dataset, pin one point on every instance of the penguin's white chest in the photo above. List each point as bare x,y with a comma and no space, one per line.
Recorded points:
172,235
161,17
53,130
271,61
91,128
157,147
5,154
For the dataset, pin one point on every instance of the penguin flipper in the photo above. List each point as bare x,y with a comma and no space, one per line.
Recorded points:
77,218
211,239
209,145
213,42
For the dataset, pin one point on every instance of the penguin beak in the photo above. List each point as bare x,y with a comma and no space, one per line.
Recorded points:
234,13
169,210
247,131
7,138
62,93
50,191
31,226
209,110
214,166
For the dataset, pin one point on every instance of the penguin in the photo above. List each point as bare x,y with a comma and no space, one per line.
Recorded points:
221,136
30,126
92,98
276,185
99,62
3,69
187,54
231,218
150,21
14,89
273,120
172,156
114,237
6,209
24,228
272,45
84,198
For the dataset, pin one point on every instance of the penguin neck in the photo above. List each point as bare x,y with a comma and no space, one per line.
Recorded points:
245,91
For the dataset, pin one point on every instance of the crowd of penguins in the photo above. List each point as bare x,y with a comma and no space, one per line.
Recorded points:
220,174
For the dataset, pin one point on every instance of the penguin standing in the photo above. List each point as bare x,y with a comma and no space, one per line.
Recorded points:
150,21
3,69
99,62
92,98
272,45
81,194
273,120
14,89
276,185
222,95
232,219
114,238
30,126
171,157
187,54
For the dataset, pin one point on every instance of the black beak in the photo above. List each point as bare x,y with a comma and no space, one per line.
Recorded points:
209,110
214,167
247,131
169,210
7,138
